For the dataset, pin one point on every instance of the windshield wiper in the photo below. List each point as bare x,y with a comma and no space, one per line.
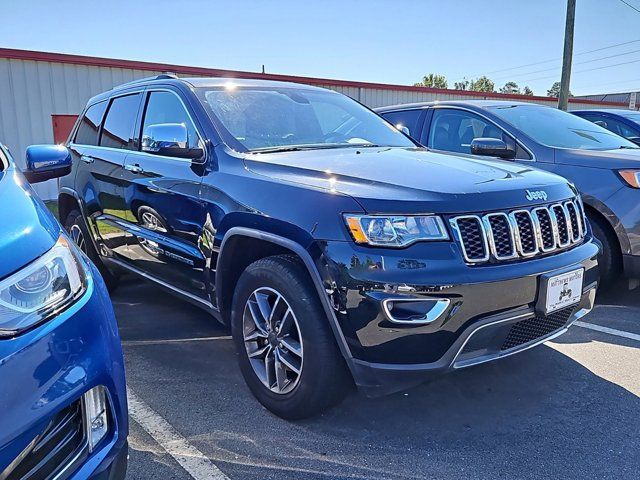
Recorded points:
627,147
297,148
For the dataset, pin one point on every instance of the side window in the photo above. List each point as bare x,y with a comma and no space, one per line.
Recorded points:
454,130
407,118
89,127
619,128
166,108
118,126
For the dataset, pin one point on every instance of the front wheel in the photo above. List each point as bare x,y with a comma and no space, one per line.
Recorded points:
75,226
287,351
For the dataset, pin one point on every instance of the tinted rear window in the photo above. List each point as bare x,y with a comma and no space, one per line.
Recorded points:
90,124
118,126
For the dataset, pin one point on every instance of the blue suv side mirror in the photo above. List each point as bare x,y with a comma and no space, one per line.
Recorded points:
45,162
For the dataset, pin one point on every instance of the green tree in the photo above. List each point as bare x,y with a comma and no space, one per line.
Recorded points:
433,80
527,91
554,91
510,87
482,84
462,85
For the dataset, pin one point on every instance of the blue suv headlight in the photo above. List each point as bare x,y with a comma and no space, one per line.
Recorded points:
42,289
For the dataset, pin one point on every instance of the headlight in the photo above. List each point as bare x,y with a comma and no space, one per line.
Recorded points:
41,290
395,230
632,177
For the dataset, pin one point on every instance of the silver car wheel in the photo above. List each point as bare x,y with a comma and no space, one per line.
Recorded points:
272,340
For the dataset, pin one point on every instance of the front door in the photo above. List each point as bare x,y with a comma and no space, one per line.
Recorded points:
162,202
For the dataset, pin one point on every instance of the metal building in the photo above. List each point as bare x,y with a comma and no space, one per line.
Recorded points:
41,93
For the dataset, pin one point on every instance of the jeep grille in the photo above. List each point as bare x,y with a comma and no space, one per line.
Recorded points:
520,233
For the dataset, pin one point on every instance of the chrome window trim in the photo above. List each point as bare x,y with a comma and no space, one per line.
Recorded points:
456,229
145,90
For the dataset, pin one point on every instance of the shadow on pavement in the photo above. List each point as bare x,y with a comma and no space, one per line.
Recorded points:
541,414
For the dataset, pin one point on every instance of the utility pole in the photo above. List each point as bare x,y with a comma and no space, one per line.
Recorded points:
563,98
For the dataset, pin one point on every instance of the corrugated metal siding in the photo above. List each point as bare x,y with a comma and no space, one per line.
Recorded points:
31,91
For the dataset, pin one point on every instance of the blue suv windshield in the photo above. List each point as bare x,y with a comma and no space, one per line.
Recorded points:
555,128
257,119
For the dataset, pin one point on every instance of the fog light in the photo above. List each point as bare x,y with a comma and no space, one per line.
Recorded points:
96,416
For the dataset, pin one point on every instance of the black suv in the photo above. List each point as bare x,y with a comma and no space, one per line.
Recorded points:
335,247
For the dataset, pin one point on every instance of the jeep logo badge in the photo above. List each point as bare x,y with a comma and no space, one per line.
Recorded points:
536,195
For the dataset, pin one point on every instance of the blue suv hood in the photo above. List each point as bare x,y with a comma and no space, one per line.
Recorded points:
620,158
413,180
28,228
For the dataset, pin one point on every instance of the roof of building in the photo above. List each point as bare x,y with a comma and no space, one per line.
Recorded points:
191,71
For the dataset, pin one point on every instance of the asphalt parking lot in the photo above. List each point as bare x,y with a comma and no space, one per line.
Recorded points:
568,409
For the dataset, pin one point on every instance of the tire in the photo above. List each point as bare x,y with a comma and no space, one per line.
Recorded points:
610,259
279,283
75,226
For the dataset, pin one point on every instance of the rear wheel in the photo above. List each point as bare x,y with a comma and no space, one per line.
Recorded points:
610,259
287,352
75,226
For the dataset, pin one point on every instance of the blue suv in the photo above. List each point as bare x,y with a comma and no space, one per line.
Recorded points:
336,248
63,401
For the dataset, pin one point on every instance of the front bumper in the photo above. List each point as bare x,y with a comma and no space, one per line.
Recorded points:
483,304
48,370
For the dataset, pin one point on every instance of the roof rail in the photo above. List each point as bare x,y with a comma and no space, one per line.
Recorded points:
162,76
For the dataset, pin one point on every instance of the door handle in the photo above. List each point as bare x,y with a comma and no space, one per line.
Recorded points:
87,158
134,168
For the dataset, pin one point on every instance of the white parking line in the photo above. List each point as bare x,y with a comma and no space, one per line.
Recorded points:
610,331
129,343
189,457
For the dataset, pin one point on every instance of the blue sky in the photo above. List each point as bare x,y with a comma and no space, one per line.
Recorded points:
367,40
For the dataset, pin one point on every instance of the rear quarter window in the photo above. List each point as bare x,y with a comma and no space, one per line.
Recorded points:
89,127
118,130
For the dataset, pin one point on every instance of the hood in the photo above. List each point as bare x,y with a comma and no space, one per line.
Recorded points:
608,159
28,228
412,180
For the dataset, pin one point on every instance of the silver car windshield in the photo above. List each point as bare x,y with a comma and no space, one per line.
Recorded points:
555,128
283,119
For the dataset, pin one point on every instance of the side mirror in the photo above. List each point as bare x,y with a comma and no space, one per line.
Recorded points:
45,162
169,140
602,123
404,129
635,140
491,147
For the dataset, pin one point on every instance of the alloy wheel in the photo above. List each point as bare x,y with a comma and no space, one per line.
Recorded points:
78,237
272,340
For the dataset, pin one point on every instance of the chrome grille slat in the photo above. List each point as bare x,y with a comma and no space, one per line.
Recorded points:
522,233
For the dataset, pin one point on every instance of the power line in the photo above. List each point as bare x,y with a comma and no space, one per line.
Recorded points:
556,59
630,6
577,63
583,71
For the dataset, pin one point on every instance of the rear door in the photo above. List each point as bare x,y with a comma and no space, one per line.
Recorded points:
103,139
162,200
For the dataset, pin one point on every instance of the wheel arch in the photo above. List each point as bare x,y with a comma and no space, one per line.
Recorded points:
262,244
599,210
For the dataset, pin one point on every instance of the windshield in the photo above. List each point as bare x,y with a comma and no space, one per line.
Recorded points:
555,128
271,119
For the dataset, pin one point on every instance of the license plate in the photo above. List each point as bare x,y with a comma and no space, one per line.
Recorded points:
564,290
